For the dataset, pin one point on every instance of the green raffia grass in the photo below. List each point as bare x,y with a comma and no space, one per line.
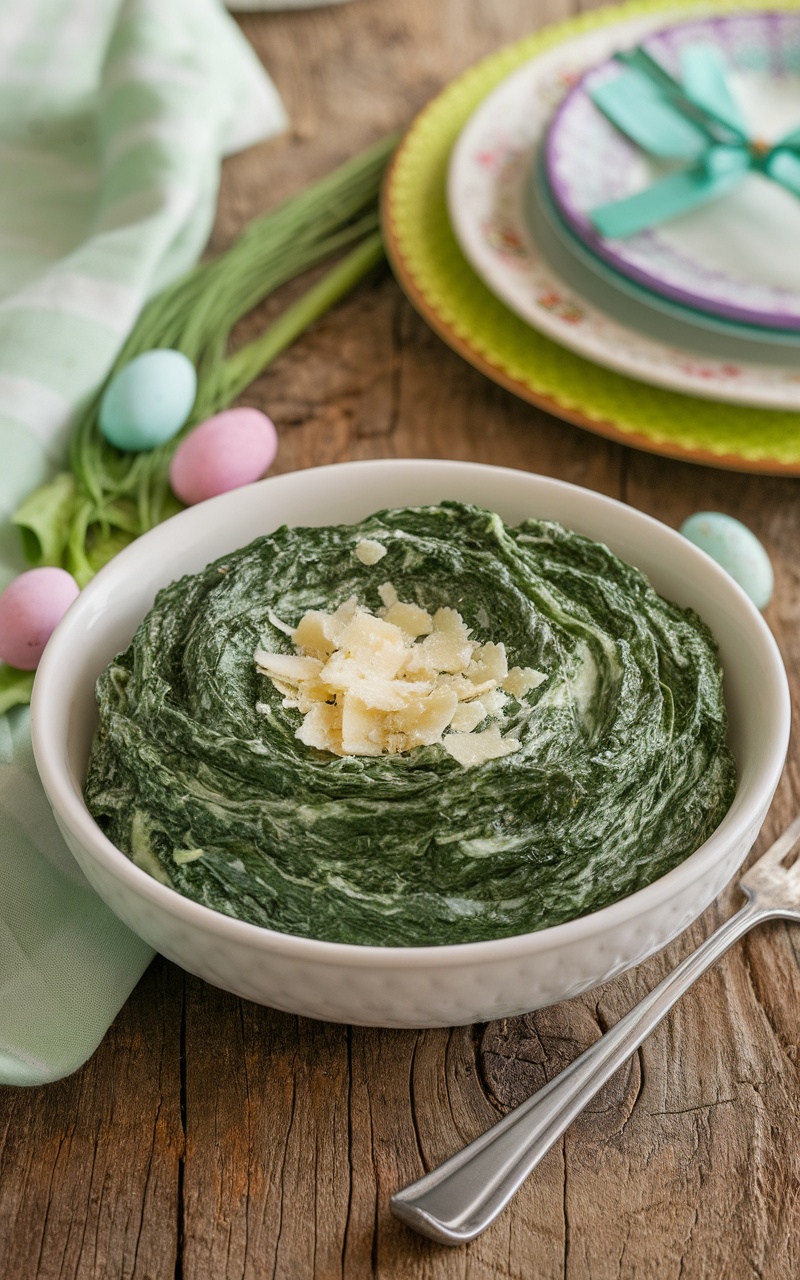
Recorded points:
107,498
88,513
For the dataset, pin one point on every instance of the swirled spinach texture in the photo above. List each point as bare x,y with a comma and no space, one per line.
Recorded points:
623,769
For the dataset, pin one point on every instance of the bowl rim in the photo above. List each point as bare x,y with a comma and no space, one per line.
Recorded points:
70,808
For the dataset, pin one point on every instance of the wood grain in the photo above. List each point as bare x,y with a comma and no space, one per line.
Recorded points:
211,1139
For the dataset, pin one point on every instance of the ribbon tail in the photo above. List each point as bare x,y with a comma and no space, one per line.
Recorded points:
671,196
783,167
703,75
791,141
638,108
716,129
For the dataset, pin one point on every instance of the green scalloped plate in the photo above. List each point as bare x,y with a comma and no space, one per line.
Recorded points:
461,309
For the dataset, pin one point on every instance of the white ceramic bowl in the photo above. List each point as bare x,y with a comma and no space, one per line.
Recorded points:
415,986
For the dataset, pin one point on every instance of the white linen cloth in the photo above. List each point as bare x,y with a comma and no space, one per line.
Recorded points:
114,116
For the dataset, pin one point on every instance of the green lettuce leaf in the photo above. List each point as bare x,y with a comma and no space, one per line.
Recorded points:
45,520
15,688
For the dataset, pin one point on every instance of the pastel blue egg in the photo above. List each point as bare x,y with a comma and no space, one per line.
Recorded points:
148,401
736,549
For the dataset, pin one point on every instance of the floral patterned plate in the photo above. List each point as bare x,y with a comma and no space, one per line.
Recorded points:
633,306
488,175
735,256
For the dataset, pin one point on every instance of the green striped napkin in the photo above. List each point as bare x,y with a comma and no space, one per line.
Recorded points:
114,115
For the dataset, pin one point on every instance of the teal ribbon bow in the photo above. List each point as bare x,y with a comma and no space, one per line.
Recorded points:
696,120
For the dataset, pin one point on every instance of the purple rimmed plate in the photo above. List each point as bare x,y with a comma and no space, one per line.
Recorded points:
734,257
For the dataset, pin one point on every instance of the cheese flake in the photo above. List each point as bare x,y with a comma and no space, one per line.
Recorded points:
315,633
369,552
488,663
388,594
375,645
471,749
288,667
521,680
493,701
372,684
412,620
361,728
322,728
467,716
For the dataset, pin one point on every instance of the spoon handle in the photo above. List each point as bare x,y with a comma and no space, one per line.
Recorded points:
454,1203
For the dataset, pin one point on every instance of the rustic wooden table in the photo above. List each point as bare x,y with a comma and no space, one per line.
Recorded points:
212,1139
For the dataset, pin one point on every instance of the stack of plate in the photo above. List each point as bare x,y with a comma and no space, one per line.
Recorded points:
684,338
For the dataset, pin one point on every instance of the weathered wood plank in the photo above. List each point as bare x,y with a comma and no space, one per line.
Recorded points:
350,74
89,1186
686,1164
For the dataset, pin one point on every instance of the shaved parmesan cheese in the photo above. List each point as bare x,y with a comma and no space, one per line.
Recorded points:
361,728
343,615
467,716
387,594
488,663
440,651
279,625
368,551
410,619
425,720
451,620
467,689
375,645
322,728
315,633
367,685
391,695
470,749
287,666
493,701
521,680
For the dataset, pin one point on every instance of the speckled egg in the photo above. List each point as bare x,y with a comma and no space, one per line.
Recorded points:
736,549
148,401
30,609
233,448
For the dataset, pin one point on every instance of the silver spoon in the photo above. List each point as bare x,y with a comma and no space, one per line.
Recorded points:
454,1203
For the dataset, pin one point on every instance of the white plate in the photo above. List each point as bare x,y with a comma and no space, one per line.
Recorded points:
732,257
626,303
489,170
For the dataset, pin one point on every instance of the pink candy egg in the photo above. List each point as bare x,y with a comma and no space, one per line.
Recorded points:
30,609
233,448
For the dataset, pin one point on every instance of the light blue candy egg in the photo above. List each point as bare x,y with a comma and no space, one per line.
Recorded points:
148,401
736,549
